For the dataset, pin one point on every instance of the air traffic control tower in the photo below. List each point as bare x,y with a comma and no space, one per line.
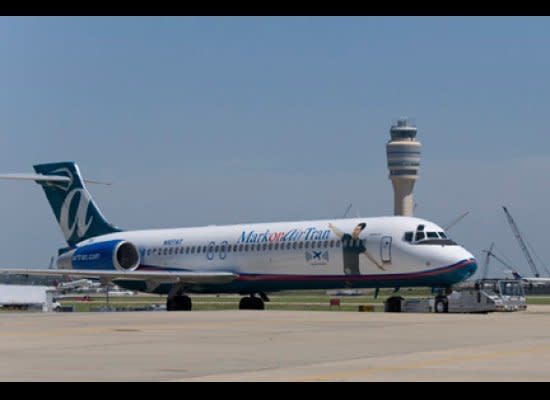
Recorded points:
403,153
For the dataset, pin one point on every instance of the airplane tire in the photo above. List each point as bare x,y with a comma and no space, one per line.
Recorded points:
251,303
183,303
170,304
245,303
257,303
179,303
441,305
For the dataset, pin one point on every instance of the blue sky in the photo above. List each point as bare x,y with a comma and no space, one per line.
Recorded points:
215,120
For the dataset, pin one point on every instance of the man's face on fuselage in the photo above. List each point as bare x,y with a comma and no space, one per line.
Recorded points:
356,231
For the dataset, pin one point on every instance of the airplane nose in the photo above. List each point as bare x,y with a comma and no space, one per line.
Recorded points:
472,268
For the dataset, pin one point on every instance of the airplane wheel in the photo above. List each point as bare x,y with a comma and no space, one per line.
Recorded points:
441,305
257,303
170,304
245,303
179,303
183,303
251,303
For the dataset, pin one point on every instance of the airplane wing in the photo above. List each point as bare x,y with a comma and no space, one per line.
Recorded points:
155,276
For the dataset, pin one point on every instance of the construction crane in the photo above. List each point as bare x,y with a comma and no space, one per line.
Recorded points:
515,230
455,221
491,254
485,270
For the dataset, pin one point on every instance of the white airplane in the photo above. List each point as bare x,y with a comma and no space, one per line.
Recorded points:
531,281
80,284
248,259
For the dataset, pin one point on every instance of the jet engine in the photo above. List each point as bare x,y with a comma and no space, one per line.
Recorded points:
109,255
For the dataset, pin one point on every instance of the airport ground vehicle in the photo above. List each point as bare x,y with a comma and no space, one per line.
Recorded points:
483,296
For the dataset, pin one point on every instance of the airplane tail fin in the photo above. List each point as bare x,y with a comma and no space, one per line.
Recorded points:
75,211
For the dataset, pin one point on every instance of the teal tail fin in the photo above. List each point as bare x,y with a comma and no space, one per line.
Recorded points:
75,211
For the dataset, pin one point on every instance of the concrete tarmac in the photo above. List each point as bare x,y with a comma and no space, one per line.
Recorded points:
275,346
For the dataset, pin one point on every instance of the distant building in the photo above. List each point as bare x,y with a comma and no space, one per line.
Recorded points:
39,298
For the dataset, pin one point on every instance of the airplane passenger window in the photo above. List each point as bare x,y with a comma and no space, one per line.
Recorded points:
240,247
312,245
332,243
264,246
235,248
306,245
148,251
216,249
326,244
246,247
300,245
294,245
276,246
270,247
288,246
258,247
337,243
204,249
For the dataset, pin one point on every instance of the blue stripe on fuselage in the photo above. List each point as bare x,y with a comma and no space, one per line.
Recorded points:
438,277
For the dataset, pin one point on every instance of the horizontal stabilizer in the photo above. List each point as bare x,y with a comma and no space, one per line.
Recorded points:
36,177
156,276
47,178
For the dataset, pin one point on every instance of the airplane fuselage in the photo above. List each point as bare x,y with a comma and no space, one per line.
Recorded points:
322,254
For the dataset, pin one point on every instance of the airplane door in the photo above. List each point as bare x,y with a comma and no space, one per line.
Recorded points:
385,249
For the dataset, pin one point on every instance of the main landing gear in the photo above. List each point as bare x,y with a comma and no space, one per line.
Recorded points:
177,301
253,303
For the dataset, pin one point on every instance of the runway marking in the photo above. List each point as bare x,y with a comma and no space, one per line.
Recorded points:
424,364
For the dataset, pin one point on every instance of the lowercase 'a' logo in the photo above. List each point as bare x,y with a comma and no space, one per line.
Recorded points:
79,221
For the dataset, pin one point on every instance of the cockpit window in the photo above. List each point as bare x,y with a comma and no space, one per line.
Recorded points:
446,242
426,238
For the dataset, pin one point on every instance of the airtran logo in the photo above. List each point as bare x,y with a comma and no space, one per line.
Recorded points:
291,236
79,223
